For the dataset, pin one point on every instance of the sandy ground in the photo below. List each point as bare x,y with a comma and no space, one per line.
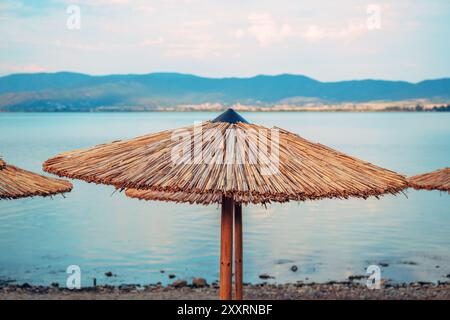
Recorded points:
258,292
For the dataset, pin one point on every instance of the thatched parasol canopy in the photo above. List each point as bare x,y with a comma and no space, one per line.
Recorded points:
304,170
436,180
227,161
18,183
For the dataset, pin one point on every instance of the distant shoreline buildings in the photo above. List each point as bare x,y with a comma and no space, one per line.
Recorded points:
397,106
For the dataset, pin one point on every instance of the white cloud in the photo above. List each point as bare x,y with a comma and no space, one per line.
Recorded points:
135,5
152,42
197,39
316,33
144,9
106,2
198,50
77,45
27,68
265,29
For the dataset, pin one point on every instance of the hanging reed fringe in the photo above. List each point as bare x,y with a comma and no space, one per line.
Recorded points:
436,180
306,170
179,197
18,183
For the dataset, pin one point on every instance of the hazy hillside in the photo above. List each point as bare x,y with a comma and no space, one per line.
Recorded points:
77,92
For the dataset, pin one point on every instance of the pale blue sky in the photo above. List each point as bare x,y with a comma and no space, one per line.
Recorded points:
326,40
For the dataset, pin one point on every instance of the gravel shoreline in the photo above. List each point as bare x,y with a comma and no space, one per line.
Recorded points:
326,291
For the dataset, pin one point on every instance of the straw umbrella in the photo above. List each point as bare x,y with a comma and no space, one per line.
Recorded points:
231,162
436,180
18,183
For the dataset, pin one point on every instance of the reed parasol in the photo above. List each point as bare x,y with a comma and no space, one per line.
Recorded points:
231,162
436,180
18,183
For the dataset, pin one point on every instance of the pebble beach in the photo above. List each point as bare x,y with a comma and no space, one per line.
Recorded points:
182,290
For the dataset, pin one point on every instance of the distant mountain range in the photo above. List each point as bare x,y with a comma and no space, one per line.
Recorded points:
66,91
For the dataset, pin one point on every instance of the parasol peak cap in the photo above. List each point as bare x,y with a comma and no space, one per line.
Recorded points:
230,116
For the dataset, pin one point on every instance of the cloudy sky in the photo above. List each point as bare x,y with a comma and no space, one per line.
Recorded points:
326,40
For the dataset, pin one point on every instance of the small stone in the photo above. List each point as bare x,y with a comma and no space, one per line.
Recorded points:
162,271
108,274
294,268
356,277
384,264
171,276
179,283
283,261
199,282
127,287
411,263
265,276
55,284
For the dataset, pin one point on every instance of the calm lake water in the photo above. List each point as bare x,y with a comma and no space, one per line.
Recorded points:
101,231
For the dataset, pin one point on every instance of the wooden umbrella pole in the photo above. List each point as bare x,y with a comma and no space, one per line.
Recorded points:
226,249
238,251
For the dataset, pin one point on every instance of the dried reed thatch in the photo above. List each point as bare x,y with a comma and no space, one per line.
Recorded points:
179,197
306,170
436,180
18,183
